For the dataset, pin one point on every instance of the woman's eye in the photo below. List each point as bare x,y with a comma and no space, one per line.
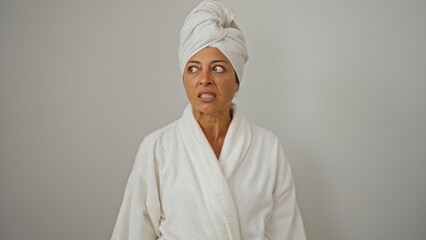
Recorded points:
218,69
192,69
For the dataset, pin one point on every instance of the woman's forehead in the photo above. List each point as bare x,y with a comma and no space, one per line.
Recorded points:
209,54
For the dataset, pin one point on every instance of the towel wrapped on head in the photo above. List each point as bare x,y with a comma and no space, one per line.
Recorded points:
211,24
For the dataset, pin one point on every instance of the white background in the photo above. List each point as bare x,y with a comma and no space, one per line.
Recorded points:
342,83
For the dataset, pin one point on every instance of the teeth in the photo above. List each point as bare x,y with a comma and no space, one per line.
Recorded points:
207,95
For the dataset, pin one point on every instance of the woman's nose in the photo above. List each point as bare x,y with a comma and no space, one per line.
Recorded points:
205,78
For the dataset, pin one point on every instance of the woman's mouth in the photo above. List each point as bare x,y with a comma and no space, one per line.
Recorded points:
207,95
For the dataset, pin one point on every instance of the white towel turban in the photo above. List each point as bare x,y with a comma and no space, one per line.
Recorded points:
212,24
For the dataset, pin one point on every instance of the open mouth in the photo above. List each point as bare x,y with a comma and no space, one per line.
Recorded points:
207,95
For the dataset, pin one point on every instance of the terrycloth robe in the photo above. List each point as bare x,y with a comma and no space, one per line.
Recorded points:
178,189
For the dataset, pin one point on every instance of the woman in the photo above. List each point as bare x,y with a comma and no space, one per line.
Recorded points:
211,174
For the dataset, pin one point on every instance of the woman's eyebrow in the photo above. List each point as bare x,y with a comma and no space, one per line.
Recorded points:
216,61
192,61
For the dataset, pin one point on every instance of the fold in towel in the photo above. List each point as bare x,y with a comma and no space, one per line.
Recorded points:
212,24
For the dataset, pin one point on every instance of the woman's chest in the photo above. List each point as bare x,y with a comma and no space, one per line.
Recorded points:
185,202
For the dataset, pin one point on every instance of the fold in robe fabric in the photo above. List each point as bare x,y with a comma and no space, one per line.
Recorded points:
178,189
212,24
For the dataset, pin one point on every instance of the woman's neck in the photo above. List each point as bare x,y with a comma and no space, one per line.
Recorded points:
214,125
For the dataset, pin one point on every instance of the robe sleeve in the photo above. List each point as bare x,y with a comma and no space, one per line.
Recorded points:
286,221
133,220
139,213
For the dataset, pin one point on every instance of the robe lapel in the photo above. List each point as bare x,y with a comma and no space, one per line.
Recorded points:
236,144
213,184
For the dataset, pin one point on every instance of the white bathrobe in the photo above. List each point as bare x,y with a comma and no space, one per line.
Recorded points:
178,189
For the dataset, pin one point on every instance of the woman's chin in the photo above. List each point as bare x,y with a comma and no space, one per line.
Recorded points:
210,108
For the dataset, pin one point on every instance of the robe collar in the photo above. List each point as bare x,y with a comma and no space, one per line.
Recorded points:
213,174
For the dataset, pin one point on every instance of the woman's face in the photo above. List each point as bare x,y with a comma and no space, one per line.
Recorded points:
210,81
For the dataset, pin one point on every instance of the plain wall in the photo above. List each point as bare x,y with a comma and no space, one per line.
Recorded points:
342,83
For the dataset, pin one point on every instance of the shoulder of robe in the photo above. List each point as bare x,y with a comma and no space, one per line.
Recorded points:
264,135
146,152
163,133
269,140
